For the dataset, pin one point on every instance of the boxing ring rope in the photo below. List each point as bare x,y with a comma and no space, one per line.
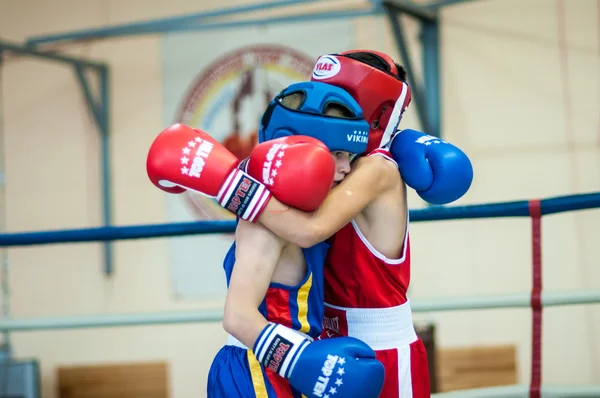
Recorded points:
536,299
548,206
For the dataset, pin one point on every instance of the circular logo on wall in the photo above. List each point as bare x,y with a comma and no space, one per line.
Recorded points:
227,100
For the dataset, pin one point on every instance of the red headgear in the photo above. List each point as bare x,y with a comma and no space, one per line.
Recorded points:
381,94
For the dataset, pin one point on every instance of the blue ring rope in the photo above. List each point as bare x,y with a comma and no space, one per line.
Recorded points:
102,234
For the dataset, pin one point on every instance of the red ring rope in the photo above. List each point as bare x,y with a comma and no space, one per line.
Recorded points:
536,299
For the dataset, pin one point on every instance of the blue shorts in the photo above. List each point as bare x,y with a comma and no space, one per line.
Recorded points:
235,373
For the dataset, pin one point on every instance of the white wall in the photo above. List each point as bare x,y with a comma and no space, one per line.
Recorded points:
522,108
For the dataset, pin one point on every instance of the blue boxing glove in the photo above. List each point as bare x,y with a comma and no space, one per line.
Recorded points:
440,172
342,367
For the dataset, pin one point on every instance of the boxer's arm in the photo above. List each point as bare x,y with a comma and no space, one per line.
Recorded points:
257,254
370,177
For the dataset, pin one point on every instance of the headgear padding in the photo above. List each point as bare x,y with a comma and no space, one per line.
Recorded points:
338,133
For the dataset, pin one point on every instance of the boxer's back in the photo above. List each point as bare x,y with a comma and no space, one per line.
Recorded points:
367,274
383,221
368,265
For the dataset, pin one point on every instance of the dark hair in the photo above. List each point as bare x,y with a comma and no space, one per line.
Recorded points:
376,61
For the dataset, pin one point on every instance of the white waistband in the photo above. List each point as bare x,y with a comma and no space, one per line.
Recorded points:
235,342
381,328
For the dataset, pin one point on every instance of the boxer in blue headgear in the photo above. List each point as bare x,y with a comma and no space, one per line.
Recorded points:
274,307
317,110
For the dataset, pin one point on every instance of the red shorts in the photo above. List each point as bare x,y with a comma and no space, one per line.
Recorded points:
406,371
390,332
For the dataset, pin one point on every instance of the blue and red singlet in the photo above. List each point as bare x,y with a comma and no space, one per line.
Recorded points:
235,372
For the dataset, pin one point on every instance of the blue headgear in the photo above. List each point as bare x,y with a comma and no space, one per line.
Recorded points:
337,133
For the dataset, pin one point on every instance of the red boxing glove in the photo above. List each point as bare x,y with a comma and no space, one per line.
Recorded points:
182,158
298,170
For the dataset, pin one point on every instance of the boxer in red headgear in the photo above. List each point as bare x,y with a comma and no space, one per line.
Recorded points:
367,270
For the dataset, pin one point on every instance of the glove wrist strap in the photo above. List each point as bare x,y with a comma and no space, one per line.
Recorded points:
278,348
244,164
243,196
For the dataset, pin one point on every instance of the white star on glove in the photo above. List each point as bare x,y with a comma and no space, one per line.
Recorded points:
341,361
186,151
184,160
192,144
278,163
333,390
274,173
184,170
198,139
280,154
339,382
340,371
